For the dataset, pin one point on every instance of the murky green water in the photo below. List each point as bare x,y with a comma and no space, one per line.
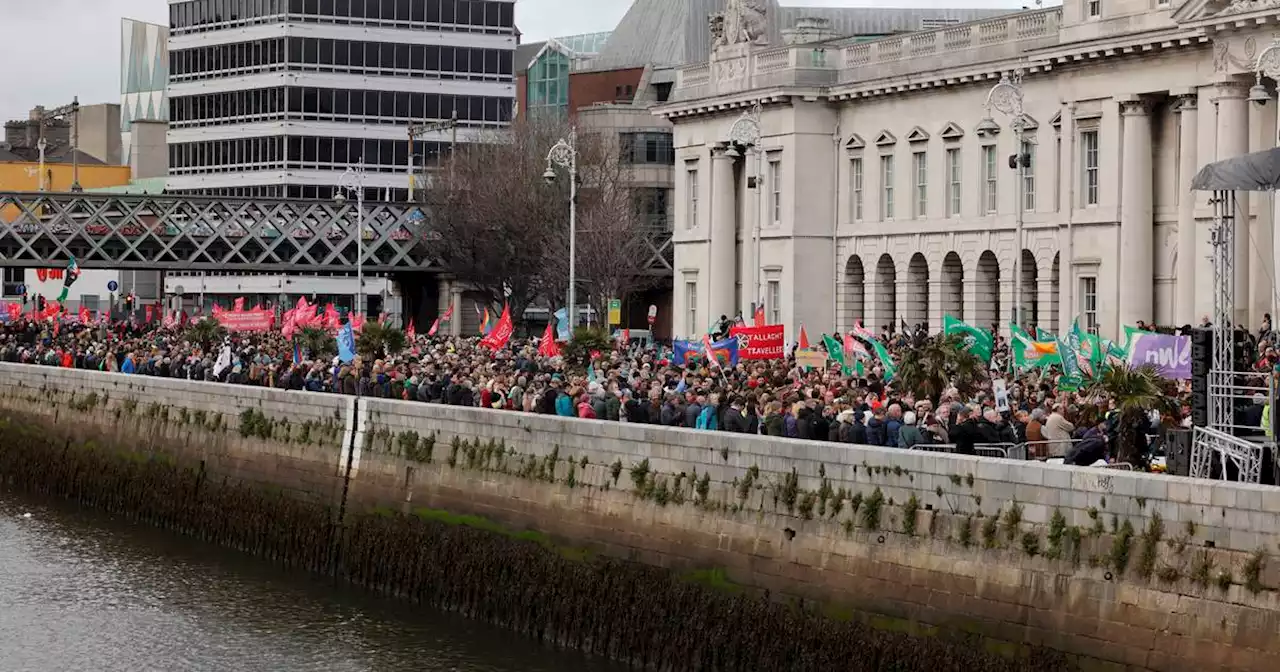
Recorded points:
81,591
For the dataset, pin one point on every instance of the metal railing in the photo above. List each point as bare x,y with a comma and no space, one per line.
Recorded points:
1211,446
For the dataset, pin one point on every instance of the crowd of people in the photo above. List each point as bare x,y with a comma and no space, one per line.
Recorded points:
627,383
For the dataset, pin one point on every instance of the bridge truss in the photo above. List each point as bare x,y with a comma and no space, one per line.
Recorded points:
208,233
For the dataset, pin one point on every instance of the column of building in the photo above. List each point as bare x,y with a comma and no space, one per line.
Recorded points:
1136,277
1185,288
722,279
1068,171
1045,318
749,205
1233,140
1262,136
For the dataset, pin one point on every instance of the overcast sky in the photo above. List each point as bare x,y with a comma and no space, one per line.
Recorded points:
54,50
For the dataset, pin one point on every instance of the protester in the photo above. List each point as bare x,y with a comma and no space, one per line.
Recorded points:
633,384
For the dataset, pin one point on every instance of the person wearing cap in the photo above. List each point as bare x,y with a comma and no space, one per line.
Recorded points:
909,435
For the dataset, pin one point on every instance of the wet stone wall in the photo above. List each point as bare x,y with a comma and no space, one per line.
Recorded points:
866,556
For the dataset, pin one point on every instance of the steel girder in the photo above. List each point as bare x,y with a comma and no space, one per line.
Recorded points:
184,233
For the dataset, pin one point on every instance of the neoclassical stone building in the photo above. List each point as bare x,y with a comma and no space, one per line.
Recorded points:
885,194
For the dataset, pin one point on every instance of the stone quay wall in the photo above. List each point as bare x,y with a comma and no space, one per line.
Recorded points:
1123,570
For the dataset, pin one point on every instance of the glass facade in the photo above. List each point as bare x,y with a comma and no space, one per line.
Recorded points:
359,87
308,54
486,16
144,73
547,79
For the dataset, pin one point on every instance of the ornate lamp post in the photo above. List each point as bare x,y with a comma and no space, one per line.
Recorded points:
565,155
353,182
745,133
1006,98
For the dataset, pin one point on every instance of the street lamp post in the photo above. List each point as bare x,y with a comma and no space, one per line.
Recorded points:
1006,97
353,181
1268,65
745,133
565,154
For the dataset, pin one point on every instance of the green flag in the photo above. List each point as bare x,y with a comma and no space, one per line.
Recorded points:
978,341
1026,354
890,369
836,352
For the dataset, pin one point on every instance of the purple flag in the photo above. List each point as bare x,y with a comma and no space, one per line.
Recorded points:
1170,354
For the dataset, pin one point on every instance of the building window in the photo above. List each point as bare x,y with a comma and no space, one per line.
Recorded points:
774,298
920,177
1029,177
691,305
651,207
855,170
886,187
691,183
647,148
1089,303
990,178
775,191
953,182
1094,8
13,281
1089,154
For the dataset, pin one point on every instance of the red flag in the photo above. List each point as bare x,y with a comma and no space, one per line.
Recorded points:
804,338
85,316
288,325
382,317
626,337
331,318
709,351
411,332
217,310
759,317
853,347
435,326
238,305
147,311
501,333
51,310
548,347
15,310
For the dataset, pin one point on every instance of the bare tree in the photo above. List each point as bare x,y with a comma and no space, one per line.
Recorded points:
492,216
502,229
612,237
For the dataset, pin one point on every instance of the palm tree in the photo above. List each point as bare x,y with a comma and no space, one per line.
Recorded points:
206,333
1136,392
936,364
377,340
318,342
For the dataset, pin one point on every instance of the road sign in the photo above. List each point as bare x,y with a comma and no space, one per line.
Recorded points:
112,285
615,311
22,289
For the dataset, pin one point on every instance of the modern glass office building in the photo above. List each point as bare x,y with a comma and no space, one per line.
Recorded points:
277,98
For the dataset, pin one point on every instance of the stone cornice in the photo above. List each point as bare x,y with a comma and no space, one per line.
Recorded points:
733,102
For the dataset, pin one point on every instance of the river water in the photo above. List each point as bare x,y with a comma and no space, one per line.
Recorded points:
80,591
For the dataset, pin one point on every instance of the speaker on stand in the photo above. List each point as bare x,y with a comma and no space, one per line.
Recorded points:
1201,360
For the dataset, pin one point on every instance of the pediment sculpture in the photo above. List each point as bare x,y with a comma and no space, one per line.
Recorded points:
741,22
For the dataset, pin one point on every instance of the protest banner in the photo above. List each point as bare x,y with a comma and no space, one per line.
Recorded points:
759,342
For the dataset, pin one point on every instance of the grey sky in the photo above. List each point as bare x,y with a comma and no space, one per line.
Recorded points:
54,50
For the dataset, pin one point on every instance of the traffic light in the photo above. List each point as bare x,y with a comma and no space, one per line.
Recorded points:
40,302
25,298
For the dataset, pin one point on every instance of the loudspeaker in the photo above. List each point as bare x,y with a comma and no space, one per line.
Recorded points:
1178,451
1201,360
